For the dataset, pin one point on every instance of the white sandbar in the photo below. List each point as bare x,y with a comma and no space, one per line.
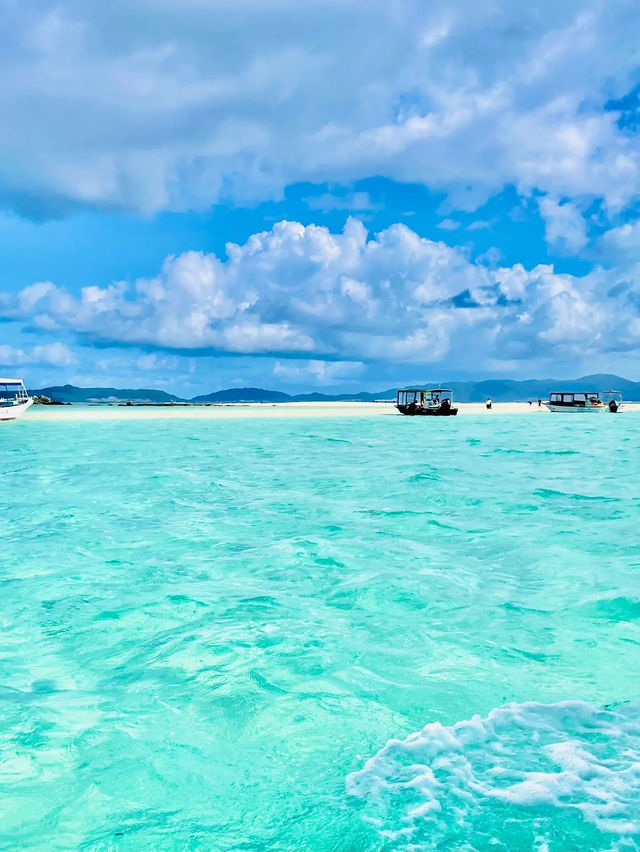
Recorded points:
261,410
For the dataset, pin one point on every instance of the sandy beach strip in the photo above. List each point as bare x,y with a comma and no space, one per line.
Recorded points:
266,410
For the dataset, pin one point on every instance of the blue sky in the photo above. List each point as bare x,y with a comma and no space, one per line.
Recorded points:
334,195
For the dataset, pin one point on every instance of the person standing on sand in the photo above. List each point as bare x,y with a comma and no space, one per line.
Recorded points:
539,403
489,403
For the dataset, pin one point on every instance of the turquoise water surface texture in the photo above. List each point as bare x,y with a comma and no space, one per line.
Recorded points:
358,634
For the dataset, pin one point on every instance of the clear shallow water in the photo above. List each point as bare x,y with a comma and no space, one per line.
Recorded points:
224,634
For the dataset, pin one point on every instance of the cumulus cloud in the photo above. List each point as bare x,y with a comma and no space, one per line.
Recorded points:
147,106
622,243
303,292
53,354
152,362
355,202
565,226
321,373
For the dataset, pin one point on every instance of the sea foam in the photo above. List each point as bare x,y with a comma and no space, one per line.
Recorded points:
526,776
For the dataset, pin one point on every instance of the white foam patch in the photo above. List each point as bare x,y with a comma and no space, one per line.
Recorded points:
529,776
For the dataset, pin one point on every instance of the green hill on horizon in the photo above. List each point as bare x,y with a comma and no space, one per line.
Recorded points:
500,390
71,393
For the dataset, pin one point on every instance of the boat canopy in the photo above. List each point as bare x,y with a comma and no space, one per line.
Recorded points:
430,391
13,391
573,396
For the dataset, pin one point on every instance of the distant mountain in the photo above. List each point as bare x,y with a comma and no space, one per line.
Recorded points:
511,390
500,390
244,395
508,390
70,393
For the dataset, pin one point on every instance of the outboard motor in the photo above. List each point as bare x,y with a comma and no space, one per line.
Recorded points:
613,406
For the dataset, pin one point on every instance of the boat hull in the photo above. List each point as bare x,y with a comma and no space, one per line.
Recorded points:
577,409
426,412
12,412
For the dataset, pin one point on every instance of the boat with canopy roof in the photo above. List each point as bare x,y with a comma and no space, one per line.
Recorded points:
575,402
433,402
14,399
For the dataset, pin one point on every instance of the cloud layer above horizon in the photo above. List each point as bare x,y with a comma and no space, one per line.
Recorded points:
140,107
144,105
297,292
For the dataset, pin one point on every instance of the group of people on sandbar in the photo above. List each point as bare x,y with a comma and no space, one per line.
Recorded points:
489,403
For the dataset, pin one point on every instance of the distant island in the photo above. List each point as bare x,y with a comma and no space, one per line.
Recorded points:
500,390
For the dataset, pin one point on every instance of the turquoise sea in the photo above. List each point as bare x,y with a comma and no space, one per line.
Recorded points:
349,634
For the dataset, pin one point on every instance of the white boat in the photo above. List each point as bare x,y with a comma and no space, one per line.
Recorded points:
14,399
570,402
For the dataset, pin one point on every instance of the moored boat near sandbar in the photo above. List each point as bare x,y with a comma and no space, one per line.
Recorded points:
575,402
434,402
14,399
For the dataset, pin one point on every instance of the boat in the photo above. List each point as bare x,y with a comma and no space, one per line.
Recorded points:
613,400
430,402
576,402
14,399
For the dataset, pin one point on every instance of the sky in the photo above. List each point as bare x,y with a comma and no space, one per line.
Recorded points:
339,195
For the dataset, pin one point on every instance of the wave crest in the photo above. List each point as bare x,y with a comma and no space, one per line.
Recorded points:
531,775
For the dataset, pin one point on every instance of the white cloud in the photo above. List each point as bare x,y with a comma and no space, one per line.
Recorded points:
148,106
355,202
151,361
53,354
481,224
320,373
56,354
565,226
491,257
449,225
10,356
622,243
322,297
